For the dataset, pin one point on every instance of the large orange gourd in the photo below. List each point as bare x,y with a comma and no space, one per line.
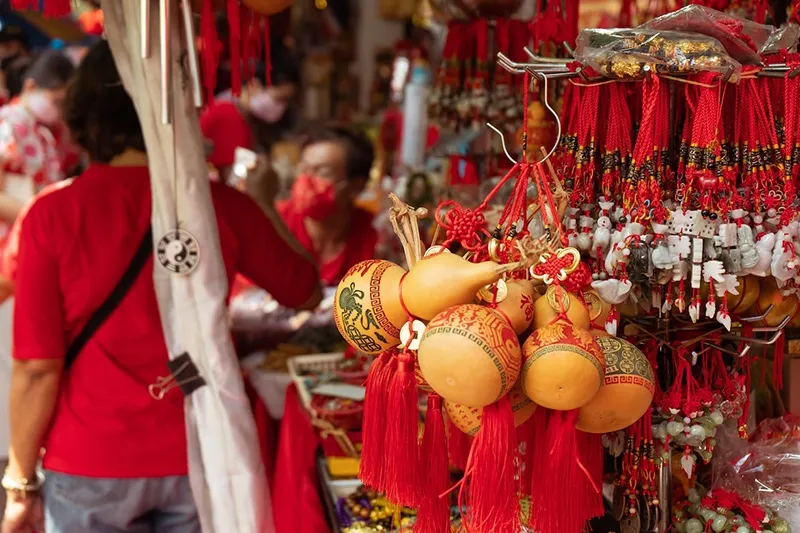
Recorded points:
546,308
268,7
367,308
563,367
440,281
469,355
468,419
782,306
518,304
627,389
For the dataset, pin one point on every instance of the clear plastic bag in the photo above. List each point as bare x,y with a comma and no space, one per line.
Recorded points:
765,470
741,38
781,39
630,53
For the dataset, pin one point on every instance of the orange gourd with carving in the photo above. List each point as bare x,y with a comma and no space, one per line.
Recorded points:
468,419
470,355
367,308
627,389
518,304
544,312
562,368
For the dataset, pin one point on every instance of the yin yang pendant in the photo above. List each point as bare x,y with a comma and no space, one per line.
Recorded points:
178,252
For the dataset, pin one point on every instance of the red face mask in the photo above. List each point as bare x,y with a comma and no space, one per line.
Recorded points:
313,197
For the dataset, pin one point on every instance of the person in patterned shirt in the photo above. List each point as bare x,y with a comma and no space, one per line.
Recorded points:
35,149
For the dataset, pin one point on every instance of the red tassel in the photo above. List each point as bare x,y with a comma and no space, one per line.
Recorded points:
433,515
267,51
493,502
234,47
568,475
402,434
25,5
458,446
590,452
538,454
208,53
56,8
777,361
376,399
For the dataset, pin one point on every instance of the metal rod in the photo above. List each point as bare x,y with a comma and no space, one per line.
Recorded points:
502,141
166,60
541,59
144,22
665,494
191,51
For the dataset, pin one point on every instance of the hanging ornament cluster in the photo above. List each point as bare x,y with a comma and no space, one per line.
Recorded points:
496,326
469,89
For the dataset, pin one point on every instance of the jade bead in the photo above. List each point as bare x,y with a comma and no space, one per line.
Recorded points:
673,428
717,417
719,523
694,496
681,527
693,525
743,529
694,508
780,525
766,531
707,514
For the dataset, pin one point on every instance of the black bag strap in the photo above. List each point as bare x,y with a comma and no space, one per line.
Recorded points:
113,300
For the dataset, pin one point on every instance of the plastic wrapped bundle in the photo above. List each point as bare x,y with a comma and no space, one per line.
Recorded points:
630,53
741,38
766,470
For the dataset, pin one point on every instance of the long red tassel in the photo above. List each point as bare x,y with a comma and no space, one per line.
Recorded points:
493,502
777,361
209,55
402,434
56,8
376,399
24,5
539,458
234,47
590,452
433,515
458,446
567,476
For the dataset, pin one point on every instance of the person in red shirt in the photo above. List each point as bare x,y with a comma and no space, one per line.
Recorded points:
115,458
335,163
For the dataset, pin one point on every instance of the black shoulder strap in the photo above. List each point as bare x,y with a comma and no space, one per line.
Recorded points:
112,300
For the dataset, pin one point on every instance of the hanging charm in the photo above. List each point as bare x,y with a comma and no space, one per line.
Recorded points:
178,252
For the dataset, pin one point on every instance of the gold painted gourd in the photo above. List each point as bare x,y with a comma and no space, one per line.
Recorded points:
562,367
518,304
367,308
782,306
546,308
440,281
470,355
627,390
468,419
268,7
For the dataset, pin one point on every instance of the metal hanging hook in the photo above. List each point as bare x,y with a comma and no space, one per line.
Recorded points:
502,141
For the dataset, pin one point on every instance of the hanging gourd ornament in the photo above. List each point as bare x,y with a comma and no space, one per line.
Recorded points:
553,269
517,306
562,367
599,310
469,355
367,308
268,7
440,281
782,306
468,419
627,389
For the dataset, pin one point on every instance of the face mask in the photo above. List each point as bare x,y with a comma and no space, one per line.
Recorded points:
42,108
313,197
265,108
